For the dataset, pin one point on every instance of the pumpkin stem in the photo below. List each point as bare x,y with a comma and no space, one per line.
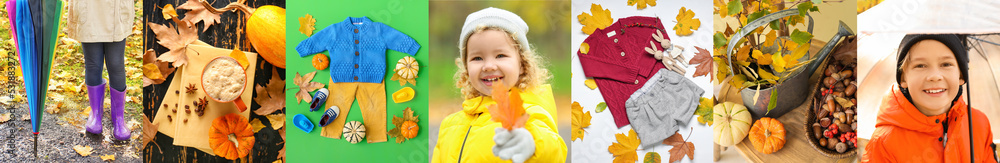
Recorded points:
232,138
232,6
767,133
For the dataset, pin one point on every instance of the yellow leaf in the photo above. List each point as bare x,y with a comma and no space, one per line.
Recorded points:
799,52
742,55
169,12
779,63
790,45
580,120
641,4
769,77
151,71
590,84
83,150
686,22
307,25
762,59
108,157
257,125
584,48
240,57
4,117
624,149
601,18
771,38
722,9
277,121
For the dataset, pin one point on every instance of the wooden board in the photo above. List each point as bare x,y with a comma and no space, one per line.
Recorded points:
797,147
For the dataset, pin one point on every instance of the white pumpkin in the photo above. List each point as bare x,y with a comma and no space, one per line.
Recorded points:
407,68
732,123
354,131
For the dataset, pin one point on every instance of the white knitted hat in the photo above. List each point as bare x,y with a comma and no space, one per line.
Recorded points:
495,17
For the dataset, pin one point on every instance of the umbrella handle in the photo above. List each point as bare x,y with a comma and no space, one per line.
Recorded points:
239,104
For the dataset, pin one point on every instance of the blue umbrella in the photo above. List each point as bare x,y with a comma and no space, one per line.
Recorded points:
36,34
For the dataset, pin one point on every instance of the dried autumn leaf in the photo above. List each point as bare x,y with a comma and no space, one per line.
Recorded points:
240,57
601,18
4,117
398,122
277,121
108,157
256,125
83,150
272,97
169,12
153,70
590,84
198,13
847,51
305,86
580,120
307,25
624,149
762,59
681,147
149,131
704,60
641,4
508,109
704,110
686,22
174,39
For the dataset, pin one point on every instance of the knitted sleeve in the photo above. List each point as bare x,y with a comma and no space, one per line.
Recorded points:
318,42
398,41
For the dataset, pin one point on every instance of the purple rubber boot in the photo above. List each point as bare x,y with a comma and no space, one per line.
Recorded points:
96,95
118,115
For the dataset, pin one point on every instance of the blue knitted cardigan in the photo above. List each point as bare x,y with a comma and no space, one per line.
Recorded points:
357,48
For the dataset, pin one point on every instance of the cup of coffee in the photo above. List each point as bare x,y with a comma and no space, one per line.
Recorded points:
224,80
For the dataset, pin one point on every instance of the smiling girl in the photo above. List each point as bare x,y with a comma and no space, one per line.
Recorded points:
924,118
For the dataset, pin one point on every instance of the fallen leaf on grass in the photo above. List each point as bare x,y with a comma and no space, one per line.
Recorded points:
83,150
4,117
108,157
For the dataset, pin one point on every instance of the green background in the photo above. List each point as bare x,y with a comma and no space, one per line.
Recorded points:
409,17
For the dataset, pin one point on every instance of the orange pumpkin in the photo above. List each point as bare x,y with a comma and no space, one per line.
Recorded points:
320,61
409,129
266,32
231,136
767,135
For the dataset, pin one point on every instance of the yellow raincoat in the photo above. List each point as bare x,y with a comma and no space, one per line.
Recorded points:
473,128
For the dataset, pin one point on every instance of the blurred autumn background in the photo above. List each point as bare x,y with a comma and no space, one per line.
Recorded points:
67,108
547,21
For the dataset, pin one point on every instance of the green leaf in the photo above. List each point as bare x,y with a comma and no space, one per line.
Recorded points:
801,37
651,157
734,6
756,15
719,39
600,107
804,8
774,101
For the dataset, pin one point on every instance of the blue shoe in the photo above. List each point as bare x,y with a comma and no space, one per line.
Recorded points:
329,116
303,123
319,99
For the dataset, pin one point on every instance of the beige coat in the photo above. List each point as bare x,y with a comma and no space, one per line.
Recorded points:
100,20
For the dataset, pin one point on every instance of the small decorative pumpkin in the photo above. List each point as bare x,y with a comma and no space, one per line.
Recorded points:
732,122
767,135
409,129
266,32
403,95
406,70
354,131
231,136
320,61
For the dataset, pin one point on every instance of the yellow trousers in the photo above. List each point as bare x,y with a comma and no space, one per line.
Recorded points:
371,100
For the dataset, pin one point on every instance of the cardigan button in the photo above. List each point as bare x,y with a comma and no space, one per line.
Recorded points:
355,78
356,53
623,54
616,40
355,41
355,66
355,30
636,81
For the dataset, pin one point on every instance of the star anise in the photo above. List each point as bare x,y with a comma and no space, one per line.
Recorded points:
191,89
200,106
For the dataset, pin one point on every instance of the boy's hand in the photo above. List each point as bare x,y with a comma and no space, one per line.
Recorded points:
516,145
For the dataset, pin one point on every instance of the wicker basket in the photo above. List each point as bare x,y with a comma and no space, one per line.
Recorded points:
814,101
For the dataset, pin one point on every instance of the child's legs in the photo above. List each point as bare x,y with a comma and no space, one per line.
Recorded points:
114,57
371,100
93,60
341,95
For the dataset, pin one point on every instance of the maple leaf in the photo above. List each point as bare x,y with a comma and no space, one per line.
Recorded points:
277,121
149,131
704,111
641,4
256,125
174,39
153,70
397,132
580,120
108,157
272,97
198,13
307,25
83,150
704,60
681,147
509,109
601,18
686,22
624,149
305,86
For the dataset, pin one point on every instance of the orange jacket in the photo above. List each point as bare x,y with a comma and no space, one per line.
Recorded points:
903,134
